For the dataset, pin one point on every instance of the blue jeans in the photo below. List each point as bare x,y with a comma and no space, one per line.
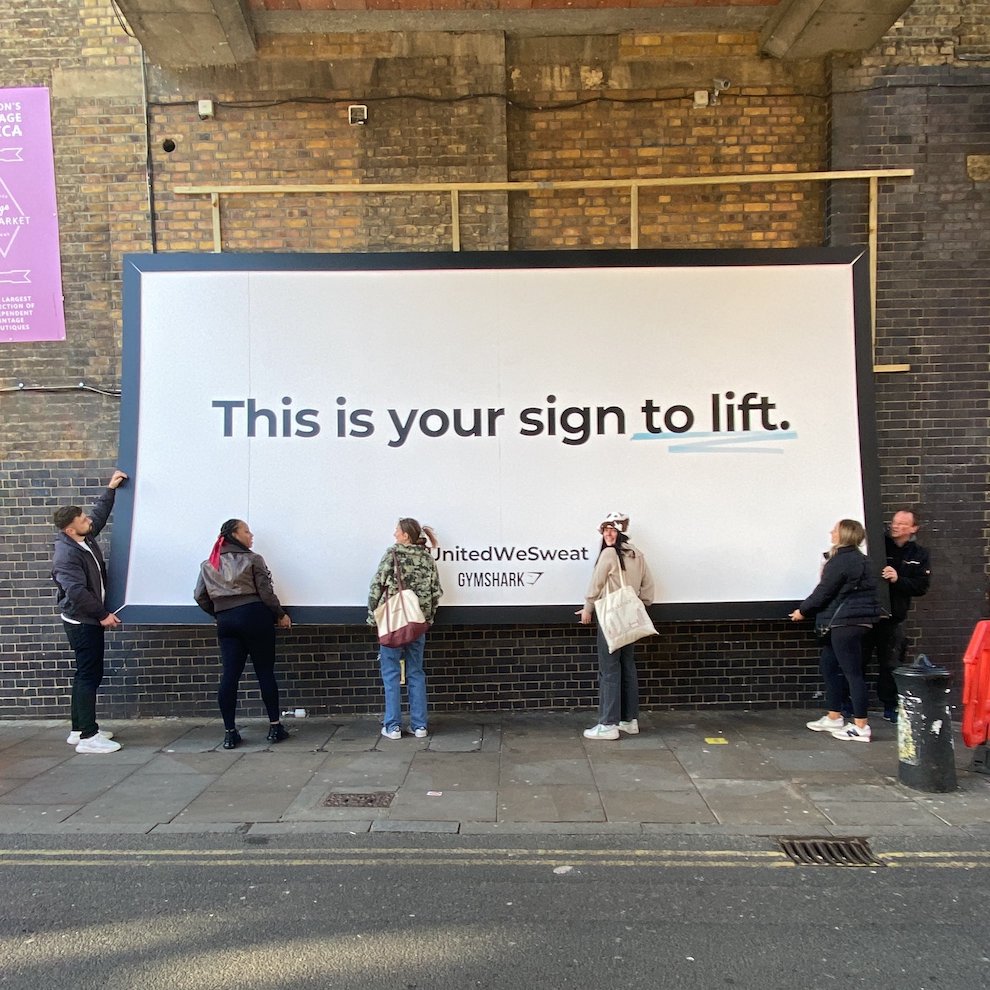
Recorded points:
388,660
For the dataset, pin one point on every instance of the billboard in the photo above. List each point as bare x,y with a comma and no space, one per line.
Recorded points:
30,264
722,399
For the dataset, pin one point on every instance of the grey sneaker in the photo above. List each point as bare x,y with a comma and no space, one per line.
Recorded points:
854,733
631,727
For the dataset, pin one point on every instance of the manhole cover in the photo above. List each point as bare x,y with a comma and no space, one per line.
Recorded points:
376,799
830,852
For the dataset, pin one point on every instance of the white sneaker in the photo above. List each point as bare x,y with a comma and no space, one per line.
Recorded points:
602,732
392,733
631,727
97,744
826,724
420,733
854,733
73,738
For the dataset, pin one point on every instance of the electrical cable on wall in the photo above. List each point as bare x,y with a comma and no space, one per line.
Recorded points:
78,387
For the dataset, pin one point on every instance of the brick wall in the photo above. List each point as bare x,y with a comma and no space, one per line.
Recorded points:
918,102
478,107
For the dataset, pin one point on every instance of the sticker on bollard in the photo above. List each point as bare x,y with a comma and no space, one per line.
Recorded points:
925,746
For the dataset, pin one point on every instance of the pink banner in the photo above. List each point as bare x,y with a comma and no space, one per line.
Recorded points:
30,269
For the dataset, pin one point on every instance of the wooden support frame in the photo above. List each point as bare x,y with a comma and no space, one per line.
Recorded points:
454,189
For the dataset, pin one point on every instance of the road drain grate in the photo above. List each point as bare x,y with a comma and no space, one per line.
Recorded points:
829,852
376,799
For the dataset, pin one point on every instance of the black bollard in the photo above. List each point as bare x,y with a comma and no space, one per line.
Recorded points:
924,727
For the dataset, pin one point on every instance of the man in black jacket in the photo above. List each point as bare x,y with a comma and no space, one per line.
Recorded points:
908,574
80,576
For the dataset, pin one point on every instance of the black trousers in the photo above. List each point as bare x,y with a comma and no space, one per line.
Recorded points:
242,632
88,644
889,641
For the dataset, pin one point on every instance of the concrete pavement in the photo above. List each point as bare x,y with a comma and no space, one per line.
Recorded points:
757,773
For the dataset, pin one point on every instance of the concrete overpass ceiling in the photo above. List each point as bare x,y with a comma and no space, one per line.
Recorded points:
198,33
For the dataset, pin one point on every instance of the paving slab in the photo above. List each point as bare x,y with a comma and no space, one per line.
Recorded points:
650,771
432,771
16,817
730,762
527,770
145,797
20,767
412,804
237,806
78,782
466,740
549,803
355,736
382,771
878,813
827,793
758,802
656,806
270,771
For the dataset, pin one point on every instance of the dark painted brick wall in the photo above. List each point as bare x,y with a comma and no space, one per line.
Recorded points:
933,313
168,670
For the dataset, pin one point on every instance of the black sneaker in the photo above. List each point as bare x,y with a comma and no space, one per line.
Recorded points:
277,733
890,714
231,739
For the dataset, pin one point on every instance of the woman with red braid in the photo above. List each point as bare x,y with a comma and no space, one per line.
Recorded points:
235,587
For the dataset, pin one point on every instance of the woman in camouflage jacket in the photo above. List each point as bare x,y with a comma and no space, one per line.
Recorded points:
419,575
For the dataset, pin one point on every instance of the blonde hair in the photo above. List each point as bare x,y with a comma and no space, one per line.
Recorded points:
849,533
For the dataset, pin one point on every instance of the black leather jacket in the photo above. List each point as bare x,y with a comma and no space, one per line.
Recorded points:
243,578
846,577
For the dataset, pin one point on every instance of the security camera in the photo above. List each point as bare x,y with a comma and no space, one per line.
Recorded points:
722,84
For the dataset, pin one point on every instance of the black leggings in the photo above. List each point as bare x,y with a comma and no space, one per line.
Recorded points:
248,630
842,663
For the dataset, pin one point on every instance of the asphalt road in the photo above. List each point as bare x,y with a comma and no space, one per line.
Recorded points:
425,912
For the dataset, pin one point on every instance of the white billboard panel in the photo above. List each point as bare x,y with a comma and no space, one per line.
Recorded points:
509,401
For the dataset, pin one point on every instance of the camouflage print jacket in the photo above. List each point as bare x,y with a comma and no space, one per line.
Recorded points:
419,575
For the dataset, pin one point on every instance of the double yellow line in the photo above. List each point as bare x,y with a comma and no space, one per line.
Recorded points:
559,859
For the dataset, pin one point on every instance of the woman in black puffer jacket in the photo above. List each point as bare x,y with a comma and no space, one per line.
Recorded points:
846,601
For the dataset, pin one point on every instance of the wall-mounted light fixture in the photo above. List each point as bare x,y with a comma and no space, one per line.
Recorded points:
206,110
357,113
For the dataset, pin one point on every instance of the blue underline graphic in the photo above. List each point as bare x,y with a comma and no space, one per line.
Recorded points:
720,443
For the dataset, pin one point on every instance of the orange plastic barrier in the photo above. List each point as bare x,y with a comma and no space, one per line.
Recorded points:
976,687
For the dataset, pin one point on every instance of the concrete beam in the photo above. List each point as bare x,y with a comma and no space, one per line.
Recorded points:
801,29
186,33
